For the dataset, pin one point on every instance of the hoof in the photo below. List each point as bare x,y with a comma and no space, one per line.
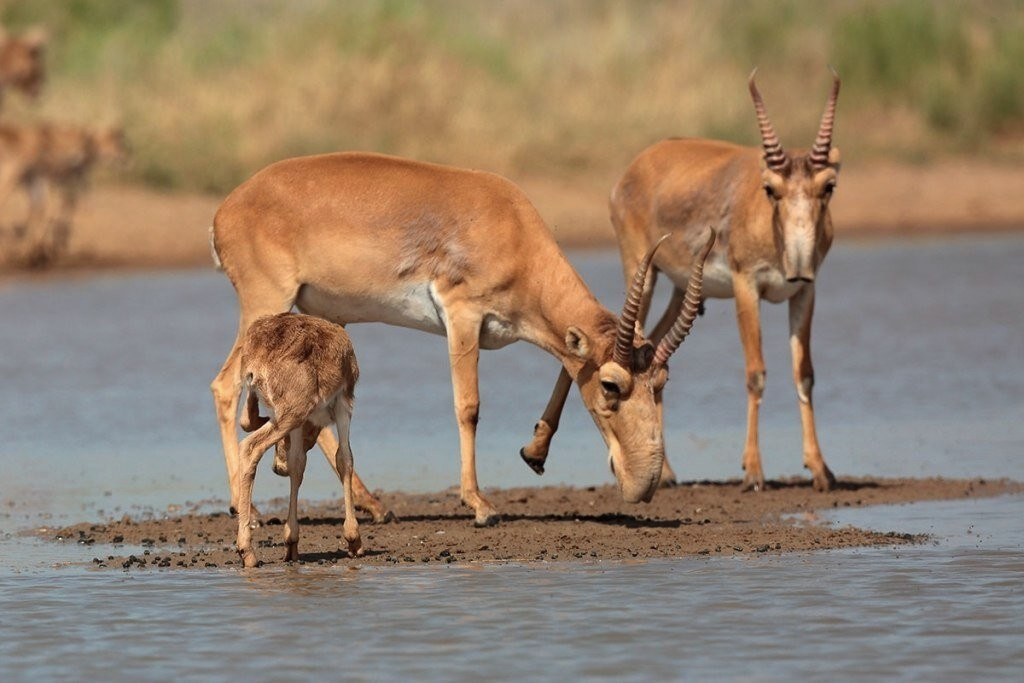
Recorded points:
751,484
249,560
535,464
826,481
386,518
492,519
355,548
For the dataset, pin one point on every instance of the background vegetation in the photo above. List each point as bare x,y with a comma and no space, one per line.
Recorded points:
211,90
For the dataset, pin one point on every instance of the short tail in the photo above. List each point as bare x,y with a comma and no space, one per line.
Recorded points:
213,252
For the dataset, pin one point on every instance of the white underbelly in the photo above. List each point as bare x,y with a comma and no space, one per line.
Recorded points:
718,282
717,278
414,306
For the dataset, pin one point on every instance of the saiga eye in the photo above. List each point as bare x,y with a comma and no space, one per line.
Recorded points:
611,388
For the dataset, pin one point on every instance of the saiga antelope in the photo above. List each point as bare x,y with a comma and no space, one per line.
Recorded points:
356,237
770,208
36,157
304,370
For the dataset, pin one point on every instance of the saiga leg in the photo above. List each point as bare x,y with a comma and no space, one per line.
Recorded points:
344,464
801,311
363,499
749,319
535,453
296,470
251,450
227,385
464,355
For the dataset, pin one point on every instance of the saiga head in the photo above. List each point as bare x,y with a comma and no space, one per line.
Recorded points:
622,386
799,187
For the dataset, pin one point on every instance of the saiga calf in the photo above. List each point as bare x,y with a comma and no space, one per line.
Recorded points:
304,370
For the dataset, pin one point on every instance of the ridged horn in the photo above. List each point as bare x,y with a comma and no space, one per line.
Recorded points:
823,143
691,304
623,353
774,156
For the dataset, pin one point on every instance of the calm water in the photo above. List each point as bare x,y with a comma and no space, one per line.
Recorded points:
919,352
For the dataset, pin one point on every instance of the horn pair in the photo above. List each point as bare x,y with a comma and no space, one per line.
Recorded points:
775,157
623,353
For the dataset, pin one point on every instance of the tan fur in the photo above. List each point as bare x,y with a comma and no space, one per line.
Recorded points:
21,62
34,157
767,249
359,237
304,370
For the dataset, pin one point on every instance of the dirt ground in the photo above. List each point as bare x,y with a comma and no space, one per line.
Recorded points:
132,227
547,523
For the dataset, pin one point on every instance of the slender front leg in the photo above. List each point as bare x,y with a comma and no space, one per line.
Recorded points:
464,355
535,453
801,311
296,471
345,465
748,317
364,500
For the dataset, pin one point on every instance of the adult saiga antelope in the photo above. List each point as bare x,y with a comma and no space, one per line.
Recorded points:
356,237
770,209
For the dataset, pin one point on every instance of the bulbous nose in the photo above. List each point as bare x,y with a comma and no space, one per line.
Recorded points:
640,490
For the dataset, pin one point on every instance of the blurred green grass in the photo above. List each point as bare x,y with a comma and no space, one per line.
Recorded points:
210,91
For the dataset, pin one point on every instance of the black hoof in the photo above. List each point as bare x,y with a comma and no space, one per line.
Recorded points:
534,464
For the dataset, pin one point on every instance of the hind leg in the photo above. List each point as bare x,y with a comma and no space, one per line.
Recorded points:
362,498
344,465
296,470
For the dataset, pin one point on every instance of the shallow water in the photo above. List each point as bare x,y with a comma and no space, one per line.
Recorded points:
919,357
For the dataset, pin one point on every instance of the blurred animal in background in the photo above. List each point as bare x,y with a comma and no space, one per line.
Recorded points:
770,207
49,155
21,61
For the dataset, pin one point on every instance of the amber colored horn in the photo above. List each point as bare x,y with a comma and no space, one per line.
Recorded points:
774,156
823,143
691,304
623,353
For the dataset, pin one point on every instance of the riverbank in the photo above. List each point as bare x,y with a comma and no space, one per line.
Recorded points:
134,227
544,523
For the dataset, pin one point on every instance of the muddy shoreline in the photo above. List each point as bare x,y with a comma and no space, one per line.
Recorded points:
539,524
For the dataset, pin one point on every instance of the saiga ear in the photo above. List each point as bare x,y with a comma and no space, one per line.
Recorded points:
577,343
834,158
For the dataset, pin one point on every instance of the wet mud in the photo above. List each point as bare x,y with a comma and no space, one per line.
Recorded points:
555,523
